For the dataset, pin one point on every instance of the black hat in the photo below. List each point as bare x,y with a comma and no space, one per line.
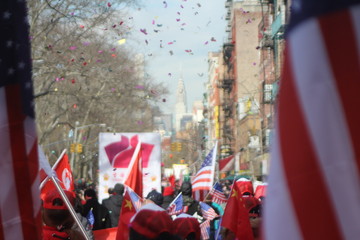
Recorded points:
156,197
186,189
118,189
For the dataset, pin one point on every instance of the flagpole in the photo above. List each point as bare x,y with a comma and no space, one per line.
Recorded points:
214,161
70,207
175,199
209,191
52,168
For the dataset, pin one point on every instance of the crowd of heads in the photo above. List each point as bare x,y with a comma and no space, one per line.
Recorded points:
152,221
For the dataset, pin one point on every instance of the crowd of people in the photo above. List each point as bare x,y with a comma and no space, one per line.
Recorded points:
152,221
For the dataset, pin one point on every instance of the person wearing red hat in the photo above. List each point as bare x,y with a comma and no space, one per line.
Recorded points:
186,227
168,196
57,219
151,223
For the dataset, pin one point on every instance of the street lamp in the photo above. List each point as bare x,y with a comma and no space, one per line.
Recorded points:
75,140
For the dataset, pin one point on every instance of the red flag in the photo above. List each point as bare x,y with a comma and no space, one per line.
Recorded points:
128,210
20,216
63,171
316,149
134,178
226,164
236,216
172,180
105,234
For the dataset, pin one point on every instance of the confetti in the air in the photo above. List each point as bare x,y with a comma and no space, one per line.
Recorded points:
122,41
143,31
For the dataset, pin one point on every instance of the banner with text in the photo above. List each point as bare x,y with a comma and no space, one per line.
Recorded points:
115,152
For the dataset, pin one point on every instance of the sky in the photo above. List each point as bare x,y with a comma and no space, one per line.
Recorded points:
175,37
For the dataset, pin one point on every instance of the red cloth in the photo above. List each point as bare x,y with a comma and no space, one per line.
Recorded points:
51,195
135,179
105,234
236,216
260,191
183,226
49,231
168,191
151,221
127,211
172,181
245,186
64,174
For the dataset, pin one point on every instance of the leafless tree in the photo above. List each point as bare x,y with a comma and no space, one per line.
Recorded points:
82,74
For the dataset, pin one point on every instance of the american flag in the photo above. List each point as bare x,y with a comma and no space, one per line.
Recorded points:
316,151
19,199
205,229
136,200
207,211
176,207
217,193
203,180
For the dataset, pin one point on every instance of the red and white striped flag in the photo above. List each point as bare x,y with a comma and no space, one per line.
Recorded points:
314,180
203,180
19,168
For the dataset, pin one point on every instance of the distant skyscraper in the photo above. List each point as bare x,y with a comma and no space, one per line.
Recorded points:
180,107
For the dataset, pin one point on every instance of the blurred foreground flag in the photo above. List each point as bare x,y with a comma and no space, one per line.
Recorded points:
19,167
316,152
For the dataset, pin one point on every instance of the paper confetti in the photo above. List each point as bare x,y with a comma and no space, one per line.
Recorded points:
122,41
143,31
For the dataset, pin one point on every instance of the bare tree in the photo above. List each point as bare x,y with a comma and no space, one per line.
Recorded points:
81,74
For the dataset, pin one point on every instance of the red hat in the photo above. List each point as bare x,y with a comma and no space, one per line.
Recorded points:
185,224
168,191
53,194
244,186
151,221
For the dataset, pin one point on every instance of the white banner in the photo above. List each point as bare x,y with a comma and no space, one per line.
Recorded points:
115,152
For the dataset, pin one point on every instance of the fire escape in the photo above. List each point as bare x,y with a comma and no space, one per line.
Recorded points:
227,85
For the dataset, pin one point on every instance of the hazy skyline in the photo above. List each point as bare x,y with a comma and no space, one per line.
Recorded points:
175,38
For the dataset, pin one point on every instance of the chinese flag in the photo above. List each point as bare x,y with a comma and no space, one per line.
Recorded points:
127,211
63,171
236,217
134,178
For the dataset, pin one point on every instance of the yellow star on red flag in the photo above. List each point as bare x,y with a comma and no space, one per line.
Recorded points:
128,204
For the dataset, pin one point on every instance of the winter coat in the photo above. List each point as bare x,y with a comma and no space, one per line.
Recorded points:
113,204
101,214
167,200
193,206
